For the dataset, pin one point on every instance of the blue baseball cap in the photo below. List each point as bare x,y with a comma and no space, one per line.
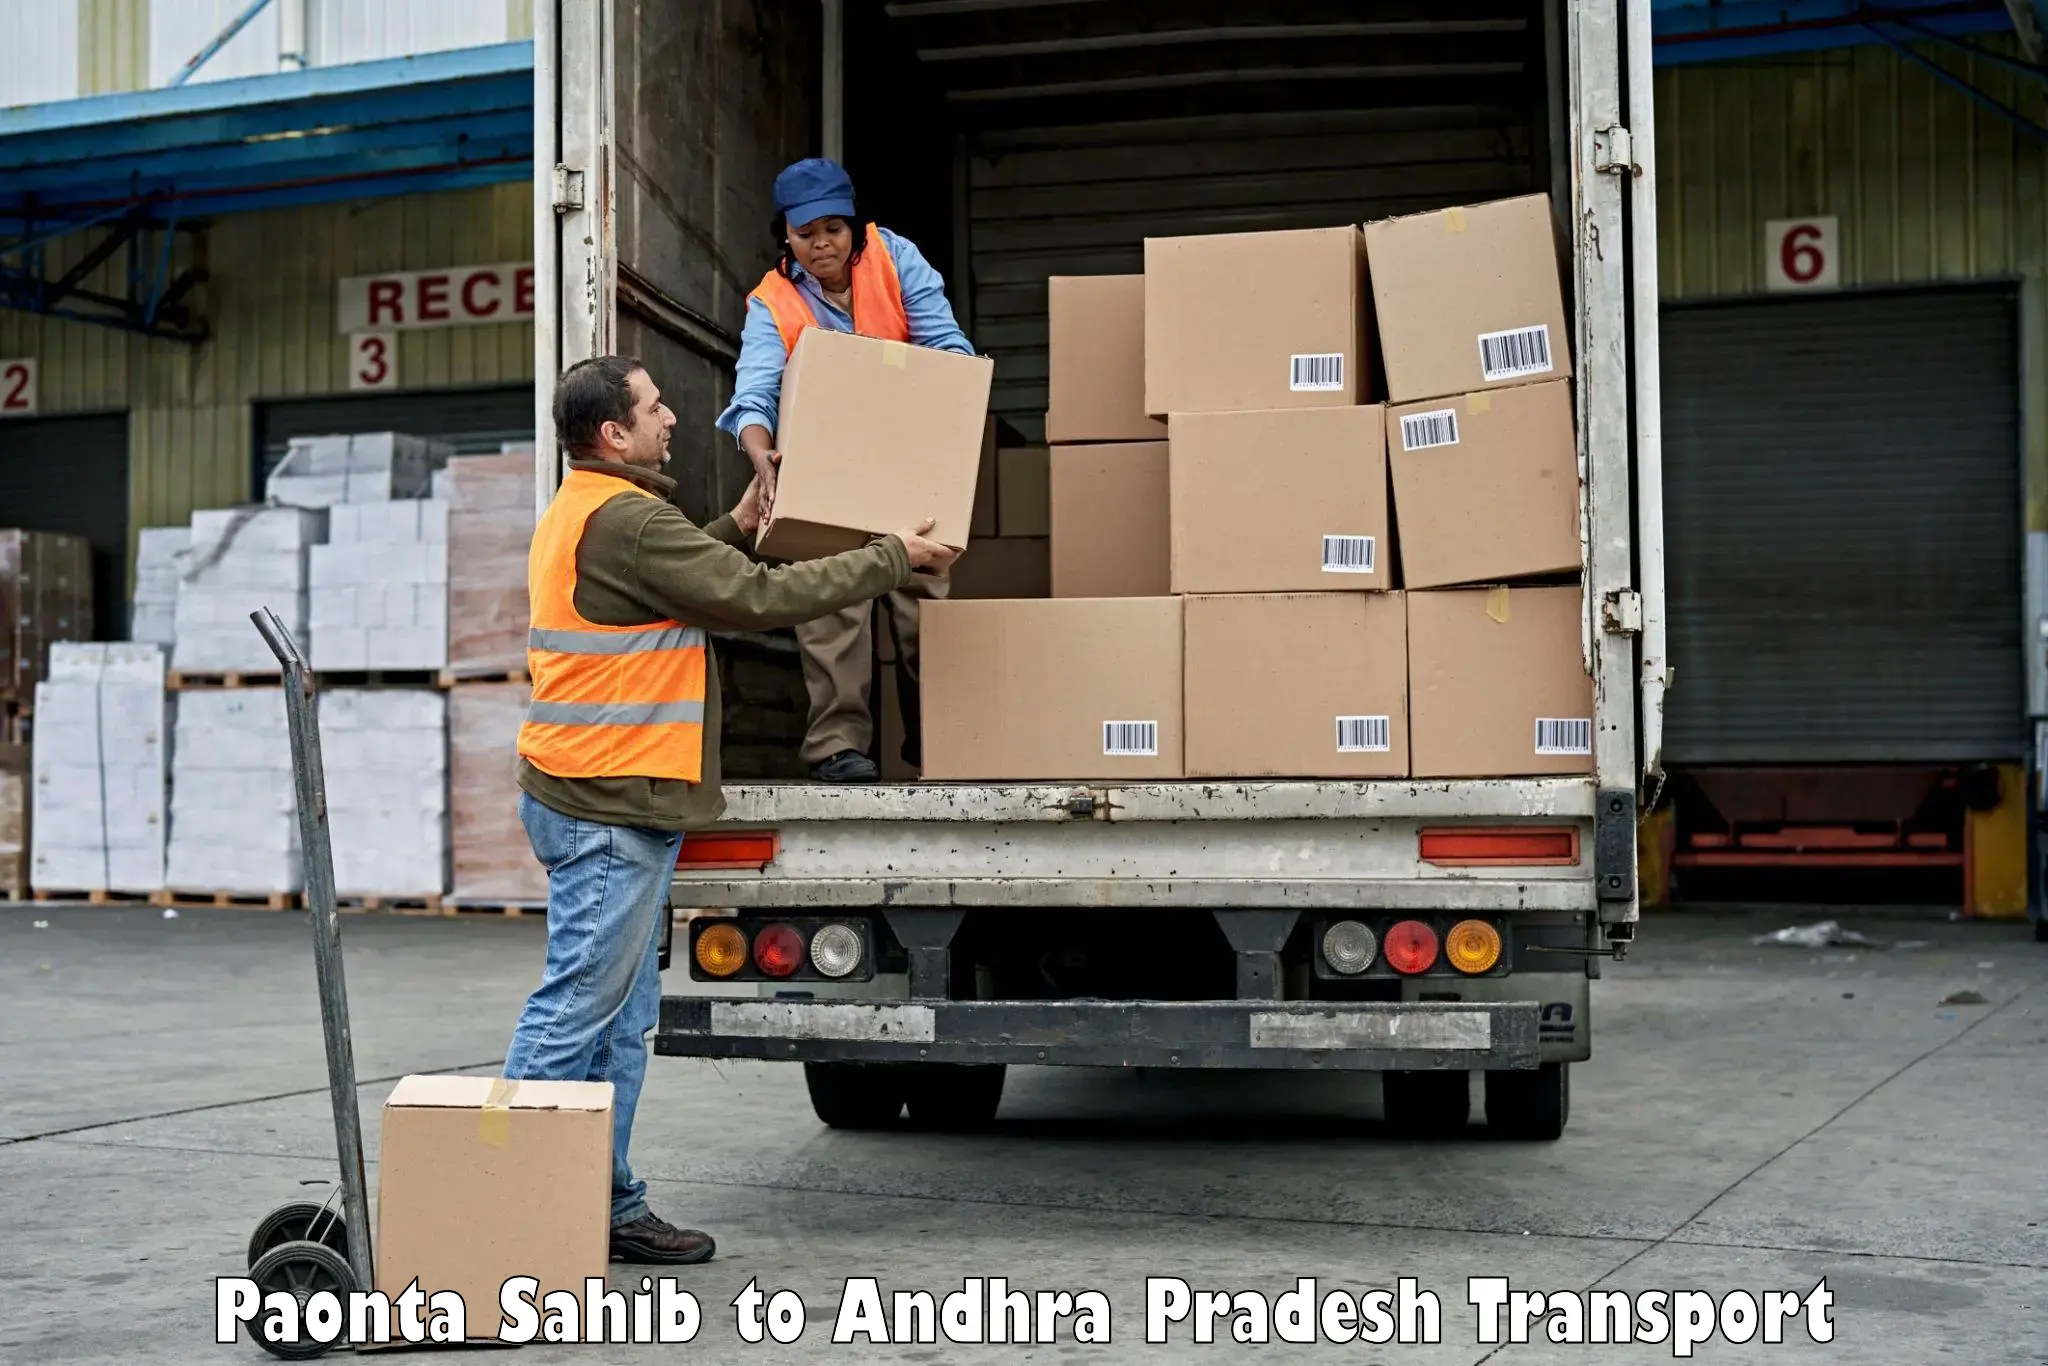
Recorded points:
812,189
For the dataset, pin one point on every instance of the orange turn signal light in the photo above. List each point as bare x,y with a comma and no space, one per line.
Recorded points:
722,950
1472,946
745,849
1527,845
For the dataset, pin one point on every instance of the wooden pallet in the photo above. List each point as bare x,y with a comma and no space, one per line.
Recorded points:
427,904
94,896
260,901
486,906
377,678
176,681
450,678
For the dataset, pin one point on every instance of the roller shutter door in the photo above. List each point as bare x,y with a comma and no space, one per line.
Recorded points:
474,421
1843,529
70,475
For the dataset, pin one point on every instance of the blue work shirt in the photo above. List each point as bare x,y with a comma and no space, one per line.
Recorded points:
757,380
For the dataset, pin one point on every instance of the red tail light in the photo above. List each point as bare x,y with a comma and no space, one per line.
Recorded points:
748,849
779,950
1410,947
1529,845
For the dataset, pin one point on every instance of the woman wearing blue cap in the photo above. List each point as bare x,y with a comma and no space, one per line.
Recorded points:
840,273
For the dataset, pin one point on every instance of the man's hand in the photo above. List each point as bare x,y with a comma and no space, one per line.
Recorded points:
926,554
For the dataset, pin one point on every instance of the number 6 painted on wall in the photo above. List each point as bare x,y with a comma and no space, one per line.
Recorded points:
1799,253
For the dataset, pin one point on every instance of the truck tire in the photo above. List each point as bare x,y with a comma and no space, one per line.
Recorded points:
1426,1104
952,1096
854,1095
1533,1106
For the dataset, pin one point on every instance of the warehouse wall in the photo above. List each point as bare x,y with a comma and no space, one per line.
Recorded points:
1928,184
271,306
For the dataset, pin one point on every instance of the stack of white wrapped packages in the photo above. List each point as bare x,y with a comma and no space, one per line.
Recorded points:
385,754
234,821
98,770
379,587
325,471
242,559
154,608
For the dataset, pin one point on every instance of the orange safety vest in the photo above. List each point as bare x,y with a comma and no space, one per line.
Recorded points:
877,298
608,701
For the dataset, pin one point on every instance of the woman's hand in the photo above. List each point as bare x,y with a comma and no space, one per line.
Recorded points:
765,469
747,512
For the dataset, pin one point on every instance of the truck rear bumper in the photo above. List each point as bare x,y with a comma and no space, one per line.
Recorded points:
1310,1035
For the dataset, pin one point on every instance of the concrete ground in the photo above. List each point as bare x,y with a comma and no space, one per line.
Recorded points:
1753,1118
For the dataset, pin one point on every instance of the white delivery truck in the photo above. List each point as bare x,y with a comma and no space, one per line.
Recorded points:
906,942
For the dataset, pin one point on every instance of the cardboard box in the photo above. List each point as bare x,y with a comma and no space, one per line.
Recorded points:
875,436
1070,688
1023,493
1486,486
1468,299
1110,535
1238,321
480,1180
1006,567
1096,388
1281,501
1496,688
983,522
1297,685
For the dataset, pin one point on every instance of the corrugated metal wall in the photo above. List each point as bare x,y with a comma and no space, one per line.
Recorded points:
366,30
42,55
271,305
180,28
1927,184
115,55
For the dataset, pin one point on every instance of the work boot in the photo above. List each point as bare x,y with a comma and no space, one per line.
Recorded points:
847,766
652,1239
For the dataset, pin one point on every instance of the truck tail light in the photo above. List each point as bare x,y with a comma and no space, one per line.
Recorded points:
722,950
1410,947
1472,946
835,950
779,950
1349,947
1526,845
741,849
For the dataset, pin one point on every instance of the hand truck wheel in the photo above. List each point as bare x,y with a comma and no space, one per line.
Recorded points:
299,1221
301,1269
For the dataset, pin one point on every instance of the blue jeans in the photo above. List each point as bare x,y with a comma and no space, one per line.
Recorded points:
600,991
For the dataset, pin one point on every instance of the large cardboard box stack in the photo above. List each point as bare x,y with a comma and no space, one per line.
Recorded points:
99,768
234,822
153,610
492,862
378,589
490,528
326,471
1484,463
1361,526
239,560
45,597
385,754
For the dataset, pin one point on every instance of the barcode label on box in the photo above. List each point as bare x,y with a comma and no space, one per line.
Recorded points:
1564,735
1364,734
1130,739
1348,554
1316,374
1515,353
1420,431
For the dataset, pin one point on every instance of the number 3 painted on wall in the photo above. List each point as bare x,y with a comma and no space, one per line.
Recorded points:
373,361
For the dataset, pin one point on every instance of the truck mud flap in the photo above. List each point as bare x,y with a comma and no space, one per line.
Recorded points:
1310,1035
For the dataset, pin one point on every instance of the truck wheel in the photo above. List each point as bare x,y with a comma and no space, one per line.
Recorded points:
1529,1105
1426,1104
854,1095
956,1096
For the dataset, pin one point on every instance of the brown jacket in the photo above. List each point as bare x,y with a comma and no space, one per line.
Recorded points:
641,560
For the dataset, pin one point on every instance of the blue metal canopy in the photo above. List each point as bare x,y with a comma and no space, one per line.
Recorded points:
1690,31
406,125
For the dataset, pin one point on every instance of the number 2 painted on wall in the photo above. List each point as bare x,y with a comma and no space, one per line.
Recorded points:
373,361
17,388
